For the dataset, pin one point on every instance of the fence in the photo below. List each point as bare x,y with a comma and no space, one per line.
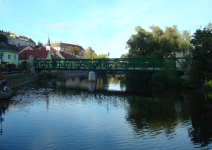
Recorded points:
11,73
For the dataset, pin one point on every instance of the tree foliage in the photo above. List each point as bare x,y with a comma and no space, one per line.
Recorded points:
73,50
103,56
3,38
202,53
40,44
90,53
158,43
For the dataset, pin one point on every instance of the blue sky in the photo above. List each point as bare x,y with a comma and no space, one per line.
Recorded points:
105,25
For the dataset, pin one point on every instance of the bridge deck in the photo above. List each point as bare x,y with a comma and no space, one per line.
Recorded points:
127,64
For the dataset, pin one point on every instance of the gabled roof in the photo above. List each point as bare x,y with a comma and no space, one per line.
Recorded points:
17,49
28,47
66,55
72,45
24,37
35,53
31,40
8,47
53,50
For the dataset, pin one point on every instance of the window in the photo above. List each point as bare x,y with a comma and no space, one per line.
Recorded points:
14,57
9,56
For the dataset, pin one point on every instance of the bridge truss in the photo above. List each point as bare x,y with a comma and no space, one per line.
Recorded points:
113,64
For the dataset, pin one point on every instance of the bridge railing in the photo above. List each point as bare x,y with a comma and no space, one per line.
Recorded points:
118,64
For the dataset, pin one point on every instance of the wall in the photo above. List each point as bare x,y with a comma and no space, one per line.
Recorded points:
5,57
16,41
12,83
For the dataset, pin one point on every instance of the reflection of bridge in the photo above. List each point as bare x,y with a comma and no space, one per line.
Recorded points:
113,64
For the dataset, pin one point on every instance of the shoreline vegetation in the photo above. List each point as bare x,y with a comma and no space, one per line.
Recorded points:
197,50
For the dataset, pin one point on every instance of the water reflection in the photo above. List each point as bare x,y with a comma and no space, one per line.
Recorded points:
150,112
3,107
92,86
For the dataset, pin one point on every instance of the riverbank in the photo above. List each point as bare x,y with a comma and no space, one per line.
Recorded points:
15,82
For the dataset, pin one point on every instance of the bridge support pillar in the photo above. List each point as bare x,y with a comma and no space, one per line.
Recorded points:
92,76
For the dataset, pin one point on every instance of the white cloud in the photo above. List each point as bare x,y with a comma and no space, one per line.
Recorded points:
61,26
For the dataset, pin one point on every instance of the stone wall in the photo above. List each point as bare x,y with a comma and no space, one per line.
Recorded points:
14,82
67,72
16,41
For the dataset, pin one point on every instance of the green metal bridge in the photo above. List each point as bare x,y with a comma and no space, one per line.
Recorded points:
112,64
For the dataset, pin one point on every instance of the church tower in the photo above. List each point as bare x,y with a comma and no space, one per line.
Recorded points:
48,46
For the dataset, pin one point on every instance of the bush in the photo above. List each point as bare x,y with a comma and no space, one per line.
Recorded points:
20,66
169,78
11,66
158,78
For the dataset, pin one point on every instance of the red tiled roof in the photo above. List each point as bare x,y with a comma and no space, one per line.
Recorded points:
66,55
72,45
24,37
35,53
53,50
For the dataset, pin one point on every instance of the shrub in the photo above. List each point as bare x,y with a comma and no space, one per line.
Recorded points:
11,66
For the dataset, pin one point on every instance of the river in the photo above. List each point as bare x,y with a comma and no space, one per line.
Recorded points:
112,113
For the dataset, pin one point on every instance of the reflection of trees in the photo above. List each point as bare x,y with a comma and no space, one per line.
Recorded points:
158,110
150,115
201,116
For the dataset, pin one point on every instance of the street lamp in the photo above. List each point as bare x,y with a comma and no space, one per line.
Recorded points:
108,54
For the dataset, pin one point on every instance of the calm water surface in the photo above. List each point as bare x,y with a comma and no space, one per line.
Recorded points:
112,113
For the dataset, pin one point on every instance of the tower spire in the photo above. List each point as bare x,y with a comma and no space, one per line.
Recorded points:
48,43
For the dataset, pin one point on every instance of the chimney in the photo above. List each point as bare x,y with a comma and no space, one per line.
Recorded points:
78,44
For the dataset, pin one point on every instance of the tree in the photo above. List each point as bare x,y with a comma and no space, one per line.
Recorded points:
3,38
158,43
202,53
186,35
73,50
103,56
40,44
209,26
140,44
90,53
124,56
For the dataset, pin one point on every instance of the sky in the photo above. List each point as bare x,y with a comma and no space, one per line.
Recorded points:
104,25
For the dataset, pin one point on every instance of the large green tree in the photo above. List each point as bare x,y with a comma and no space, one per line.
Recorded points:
3,38
158,43
202,53
90,53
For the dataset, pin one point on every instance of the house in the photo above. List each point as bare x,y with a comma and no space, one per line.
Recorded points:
72,45
27,48
9,54
58,46
39,54
82,51
18,39
67,55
